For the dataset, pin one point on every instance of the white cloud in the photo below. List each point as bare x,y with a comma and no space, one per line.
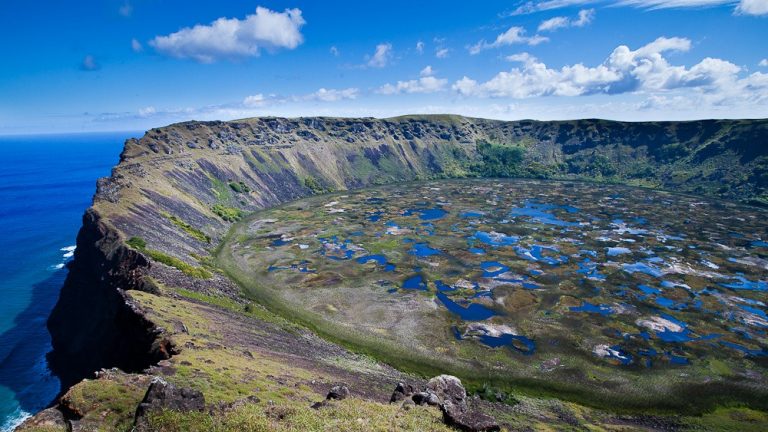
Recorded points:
585,17
442,53
136,46
232,38
427,83
256,100
642,71
382,56
331,95
554,23
147,112
743,7
672,4
763,63
420,47
126,9
89,63
334,51
521,57
752,7
538,6
515,35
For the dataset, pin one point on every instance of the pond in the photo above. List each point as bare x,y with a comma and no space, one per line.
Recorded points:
530,270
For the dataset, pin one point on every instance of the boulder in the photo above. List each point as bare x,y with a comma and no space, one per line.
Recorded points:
338,392
402,392
50,418
448,388
426,398
162,395
467,420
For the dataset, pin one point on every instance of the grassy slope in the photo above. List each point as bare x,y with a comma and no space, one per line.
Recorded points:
168,185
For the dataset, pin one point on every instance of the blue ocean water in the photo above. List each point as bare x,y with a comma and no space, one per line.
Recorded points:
46,183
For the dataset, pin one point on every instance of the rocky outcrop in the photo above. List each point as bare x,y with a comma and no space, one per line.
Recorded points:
447,393
94,325
162,395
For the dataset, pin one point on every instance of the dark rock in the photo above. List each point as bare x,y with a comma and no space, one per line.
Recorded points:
318,405
467,420
426,398
162,395
402,392
338,392
50,418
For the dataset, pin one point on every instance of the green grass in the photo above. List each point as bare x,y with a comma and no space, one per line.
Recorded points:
248,308
187,228
239,187
229,214
187,269
347,415
313,185
137,243
140,244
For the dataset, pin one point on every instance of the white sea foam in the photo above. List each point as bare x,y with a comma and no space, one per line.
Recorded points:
69,251
14,420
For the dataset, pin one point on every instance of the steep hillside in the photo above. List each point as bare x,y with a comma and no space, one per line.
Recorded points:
176,191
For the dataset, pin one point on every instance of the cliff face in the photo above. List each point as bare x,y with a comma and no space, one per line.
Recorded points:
94,325
177,190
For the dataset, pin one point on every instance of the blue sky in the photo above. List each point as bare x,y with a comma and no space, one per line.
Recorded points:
135,64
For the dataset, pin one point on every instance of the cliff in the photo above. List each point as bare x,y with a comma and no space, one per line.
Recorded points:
156,220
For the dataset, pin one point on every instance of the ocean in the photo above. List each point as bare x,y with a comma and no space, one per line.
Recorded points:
46,183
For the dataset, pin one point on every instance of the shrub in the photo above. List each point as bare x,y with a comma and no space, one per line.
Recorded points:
229,214
137,243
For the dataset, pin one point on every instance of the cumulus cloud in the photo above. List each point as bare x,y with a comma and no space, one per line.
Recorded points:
420,47
232,38
752,7
442,53
381,57
334,51
136,46
644,70
584,17
427,83
89,63
515,35
331,95
763,63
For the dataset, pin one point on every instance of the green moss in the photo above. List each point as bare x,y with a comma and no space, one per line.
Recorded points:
220,189
239,187
187,269
187,228
229,214
111,403
137,243
500,160
313,185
